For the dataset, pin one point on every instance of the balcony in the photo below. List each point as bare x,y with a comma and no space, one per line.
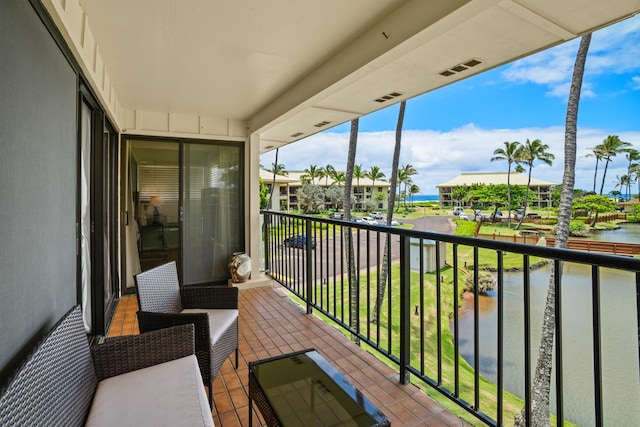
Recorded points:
434,332
272,324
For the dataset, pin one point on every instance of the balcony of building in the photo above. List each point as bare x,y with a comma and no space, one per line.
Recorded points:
451,303
84,80
272,324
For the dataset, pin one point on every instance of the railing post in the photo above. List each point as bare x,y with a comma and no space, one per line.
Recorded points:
266,219
405,309
309,266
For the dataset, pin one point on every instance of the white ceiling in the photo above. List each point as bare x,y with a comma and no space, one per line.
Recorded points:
284,66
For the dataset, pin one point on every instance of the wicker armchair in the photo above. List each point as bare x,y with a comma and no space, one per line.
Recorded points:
212,309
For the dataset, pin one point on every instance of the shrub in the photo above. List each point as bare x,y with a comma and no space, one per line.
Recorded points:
577,228
486,282
634,215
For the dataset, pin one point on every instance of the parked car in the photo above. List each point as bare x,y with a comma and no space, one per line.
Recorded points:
458,210
369,220
463,215
394,222
377,215
480,215
299,241
336,215
497,216
533,215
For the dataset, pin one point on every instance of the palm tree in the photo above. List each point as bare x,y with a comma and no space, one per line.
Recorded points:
321,173
622,182
597,153
413,189
339,178
632,155
531,152
358,173
510,153
541,387
610,147
277,169
329,172
403,178
408,171
374,174
384,270
312,173
348,236
635,170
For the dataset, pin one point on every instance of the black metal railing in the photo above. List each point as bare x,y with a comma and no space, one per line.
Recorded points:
479,351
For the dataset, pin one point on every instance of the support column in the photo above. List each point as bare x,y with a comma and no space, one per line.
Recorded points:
253,230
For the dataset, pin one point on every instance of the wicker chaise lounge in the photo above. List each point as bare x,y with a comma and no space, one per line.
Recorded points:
143,380
212,309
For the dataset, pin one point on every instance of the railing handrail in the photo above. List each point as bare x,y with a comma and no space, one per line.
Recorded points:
305,274
569,255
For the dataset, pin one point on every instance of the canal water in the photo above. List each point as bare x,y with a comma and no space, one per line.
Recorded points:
621,373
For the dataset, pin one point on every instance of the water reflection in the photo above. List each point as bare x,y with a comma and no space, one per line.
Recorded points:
621,389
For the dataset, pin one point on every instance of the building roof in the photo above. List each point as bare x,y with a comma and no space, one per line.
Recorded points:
469,178
267,177
295,178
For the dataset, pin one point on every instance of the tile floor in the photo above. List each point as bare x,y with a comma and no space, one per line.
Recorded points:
270,325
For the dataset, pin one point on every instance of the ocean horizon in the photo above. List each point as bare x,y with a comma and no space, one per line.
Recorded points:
425,198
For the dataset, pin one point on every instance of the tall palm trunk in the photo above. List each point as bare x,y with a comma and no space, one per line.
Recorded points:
595,175
526,200
348,236
604,173
509,196
384,270
541,386
273,183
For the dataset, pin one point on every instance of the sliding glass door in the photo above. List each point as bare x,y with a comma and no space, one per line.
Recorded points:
155,169
97,230
188,205
212,201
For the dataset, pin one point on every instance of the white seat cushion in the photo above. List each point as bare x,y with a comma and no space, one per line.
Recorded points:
168,394
219,320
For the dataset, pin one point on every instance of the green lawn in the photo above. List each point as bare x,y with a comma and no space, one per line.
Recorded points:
422,331
424,335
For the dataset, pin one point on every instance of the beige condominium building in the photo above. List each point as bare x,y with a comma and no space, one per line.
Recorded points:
541,189
370,195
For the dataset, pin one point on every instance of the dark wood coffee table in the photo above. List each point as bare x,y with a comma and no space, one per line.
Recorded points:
304,389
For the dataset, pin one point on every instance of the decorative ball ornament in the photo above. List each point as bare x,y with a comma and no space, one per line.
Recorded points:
240,267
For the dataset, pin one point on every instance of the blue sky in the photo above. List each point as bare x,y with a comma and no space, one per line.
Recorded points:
455,129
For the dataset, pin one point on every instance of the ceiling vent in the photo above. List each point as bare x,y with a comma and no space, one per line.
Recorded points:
322,124
297,134
388,97
460,67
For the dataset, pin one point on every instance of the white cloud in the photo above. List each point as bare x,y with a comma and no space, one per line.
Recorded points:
613,50
441,156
